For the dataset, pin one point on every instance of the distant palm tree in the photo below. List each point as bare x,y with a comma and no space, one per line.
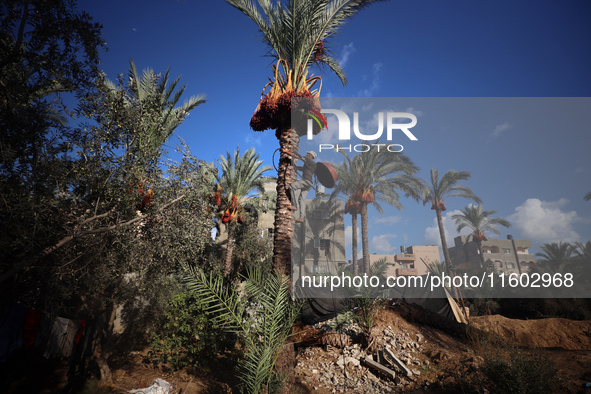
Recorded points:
438,190
297,34
583,251
241,177
555,257
380,174
150,91
587,196
479,221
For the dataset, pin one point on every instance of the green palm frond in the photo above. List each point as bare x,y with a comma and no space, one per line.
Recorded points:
264,337
294,30
150,91
223,303
477,220
242,175
556,253
447,186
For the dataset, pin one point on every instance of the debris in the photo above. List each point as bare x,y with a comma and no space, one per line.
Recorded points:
370,363
160,386
391,358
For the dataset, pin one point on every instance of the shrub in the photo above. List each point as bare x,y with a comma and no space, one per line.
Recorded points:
515,371
187,337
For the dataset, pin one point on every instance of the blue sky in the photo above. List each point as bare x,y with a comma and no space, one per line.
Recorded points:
534,178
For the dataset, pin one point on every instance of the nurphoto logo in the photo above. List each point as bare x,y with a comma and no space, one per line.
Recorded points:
344,130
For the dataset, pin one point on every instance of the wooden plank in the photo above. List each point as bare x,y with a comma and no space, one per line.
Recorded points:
396,362
368,362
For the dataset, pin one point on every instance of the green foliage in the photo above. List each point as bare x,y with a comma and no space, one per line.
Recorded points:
294,31
187,337
514,371
251,248
342,320
260,312
369,301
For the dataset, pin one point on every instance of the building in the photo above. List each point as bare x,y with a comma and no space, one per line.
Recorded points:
502,254
318,244
412,260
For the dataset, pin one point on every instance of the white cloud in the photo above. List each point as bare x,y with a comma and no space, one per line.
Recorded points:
254,139
375,81
499,130
389,220
381,243
347,51
545,222
414,111
405,238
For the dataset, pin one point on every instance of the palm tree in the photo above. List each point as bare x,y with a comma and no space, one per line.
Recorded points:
347,185
240,179
479,221
150,91
587,196
583,251
556,256
438,190
379,175
296,34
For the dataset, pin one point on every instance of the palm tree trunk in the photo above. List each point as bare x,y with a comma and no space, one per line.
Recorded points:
229,251
455,291
288,142
354,242
443,240
364,238
481,254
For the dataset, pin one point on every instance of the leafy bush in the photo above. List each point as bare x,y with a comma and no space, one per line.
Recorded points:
188,337
515,371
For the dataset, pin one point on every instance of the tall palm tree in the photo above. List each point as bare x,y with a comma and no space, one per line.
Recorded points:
241,177
347,185
152,90
438,190
380,174
296,34
479,221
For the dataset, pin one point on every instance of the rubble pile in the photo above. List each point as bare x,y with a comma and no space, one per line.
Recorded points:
397,365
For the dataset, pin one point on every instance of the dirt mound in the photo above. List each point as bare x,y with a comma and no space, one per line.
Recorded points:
543,333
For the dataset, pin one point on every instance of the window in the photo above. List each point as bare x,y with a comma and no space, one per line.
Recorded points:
510,265
319,269
506,250
322,243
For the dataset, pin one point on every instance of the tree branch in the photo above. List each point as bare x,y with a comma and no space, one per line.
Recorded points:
19,267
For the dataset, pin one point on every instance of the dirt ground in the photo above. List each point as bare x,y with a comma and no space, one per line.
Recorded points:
565,343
